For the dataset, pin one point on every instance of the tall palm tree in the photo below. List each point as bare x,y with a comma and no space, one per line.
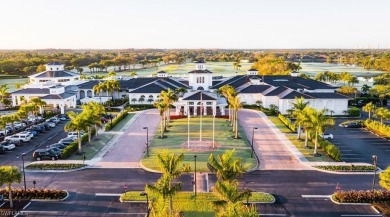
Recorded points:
303,120
169,97
369,107
228,167
77,123
161,106
236,105
9,175
382,113
93,111
3,91
319,122
38,103
171,168
181,91
228,91
297,108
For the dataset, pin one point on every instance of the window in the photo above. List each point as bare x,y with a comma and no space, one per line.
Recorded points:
199,80
63,80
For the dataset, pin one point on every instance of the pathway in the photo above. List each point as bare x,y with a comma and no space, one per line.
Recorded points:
128,148
274,149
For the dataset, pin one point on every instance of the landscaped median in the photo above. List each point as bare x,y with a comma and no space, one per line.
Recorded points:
347,168
201,205
54,166
35,194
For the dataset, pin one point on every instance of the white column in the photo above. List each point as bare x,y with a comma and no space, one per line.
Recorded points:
195,108
186,109
62,108
177,110
204,109
222,109
14,101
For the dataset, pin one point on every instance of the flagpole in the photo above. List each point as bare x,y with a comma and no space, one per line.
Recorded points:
213,130
201,106
188,117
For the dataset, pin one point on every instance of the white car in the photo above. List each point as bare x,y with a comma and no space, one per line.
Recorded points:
51,124
26,134
8,146
55,120
74,134
18,138
19,125
327,136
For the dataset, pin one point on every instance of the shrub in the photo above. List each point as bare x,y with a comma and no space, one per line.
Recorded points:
54,166
362,196
378,128
116,120
354,112
287,122
34,193
346,168
175,117
330,149
73,147
139,107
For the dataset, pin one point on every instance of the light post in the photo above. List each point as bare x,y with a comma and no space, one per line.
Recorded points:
147,141
24,174
195,175
214,130
34,183
253,135
147,202
375,160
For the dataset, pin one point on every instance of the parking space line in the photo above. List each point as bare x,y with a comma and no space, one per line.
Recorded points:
107,195
361,215
342,150
349,154
352,158
128,213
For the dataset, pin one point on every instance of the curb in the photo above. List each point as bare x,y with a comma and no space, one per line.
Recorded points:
354,204
49,200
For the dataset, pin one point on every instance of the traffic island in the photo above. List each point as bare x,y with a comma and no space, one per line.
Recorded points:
54,166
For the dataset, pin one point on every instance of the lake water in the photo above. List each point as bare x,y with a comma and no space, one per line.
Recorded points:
226,69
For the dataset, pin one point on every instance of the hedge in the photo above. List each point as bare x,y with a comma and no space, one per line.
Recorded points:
347,168
330,149
361,196
287,122
34,193
139,107
116,120
354,112
54,166
73,147
378,128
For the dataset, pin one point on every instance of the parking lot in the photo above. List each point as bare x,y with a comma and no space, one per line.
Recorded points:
358,145
41,140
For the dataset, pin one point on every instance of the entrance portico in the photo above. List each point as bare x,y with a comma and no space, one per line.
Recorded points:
195,102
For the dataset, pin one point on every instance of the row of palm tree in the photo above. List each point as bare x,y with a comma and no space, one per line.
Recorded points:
346,77
108,86
234,104
382,113
311,120
88,118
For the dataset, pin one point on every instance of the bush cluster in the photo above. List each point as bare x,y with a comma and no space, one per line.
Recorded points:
116,120
346,168
117,102
330,149
175,117
54,166
361,196
378,128
354,112
34,193
287,122
139,107
73,147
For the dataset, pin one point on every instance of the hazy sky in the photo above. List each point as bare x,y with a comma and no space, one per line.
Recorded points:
37,24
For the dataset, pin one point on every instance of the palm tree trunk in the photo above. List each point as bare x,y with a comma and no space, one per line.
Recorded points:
369,115
236,124
97,129
11,203
306,138
162,127
170,205
79,140
89,134
316,143
169,116
299,132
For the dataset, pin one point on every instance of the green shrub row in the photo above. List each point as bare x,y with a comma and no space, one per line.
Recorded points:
353,112
116,120
73,147
138,107
361,196
378,128
347,168
328,147
287,122
54,166
34,193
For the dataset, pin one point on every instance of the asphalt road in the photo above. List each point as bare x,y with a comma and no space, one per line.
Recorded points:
40,140
358,145
95,192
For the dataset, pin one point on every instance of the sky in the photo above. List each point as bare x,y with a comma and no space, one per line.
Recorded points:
229,24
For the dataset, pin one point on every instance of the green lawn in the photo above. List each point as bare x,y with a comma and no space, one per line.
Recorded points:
177,135
123,122
300,144
91,149
199,206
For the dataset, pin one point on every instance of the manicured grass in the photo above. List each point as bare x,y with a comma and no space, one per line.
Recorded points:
123,122
177,135
94,147
300,144
199,206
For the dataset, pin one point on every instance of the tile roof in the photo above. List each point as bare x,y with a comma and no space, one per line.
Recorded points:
55,74
255,89
32,91
197,96
200,61
54,64
252,70
200,71
176,83
227,81
149,88
277,91
58,96
295,94
88,84
327,95
161,72
296,82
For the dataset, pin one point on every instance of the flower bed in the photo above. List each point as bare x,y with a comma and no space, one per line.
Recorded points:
378,128
35,193
361,196
54,166
348,168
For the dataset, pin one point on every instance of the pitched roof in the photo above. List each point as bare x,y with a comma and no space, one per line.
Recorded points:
200,61
327,95
58,96
32,91
255,89
295,82
200,71
161,72
88,84
252,70
149,88
55,74
295,94
227,81
54,64
277,91
198,96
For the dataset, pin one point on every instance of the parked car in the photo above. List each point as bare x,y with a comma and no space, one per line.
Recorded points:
57,145
45,126
51,124
2,149
54,120
74,134
66,141
1,198
56,150
38,129
32,131
351,125
29,134
63,117
41,154
19,125
8,146
327,136
18,138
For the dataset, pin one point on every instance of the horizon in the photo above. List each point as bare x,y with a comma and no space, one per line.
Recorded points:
174,24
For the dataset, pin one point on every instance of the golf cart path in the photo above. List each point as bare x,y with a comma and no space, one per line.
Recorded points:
129,147
274,150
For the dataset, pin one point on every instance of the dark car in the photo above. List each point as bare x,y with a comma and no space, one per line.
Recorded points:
352,125
45,125
41,154
39,129
63,117
2,151
66,142
57,145
32,131
1,198
56,150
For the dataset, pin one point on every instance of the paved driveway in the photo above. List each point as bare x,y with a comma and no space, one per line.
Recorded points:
358,145
274,150
128,150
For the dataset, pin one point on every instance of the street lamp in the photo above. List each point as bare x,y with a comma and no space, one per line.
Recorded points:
147,202
24,174
375,160
195,175
147,141
253,135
